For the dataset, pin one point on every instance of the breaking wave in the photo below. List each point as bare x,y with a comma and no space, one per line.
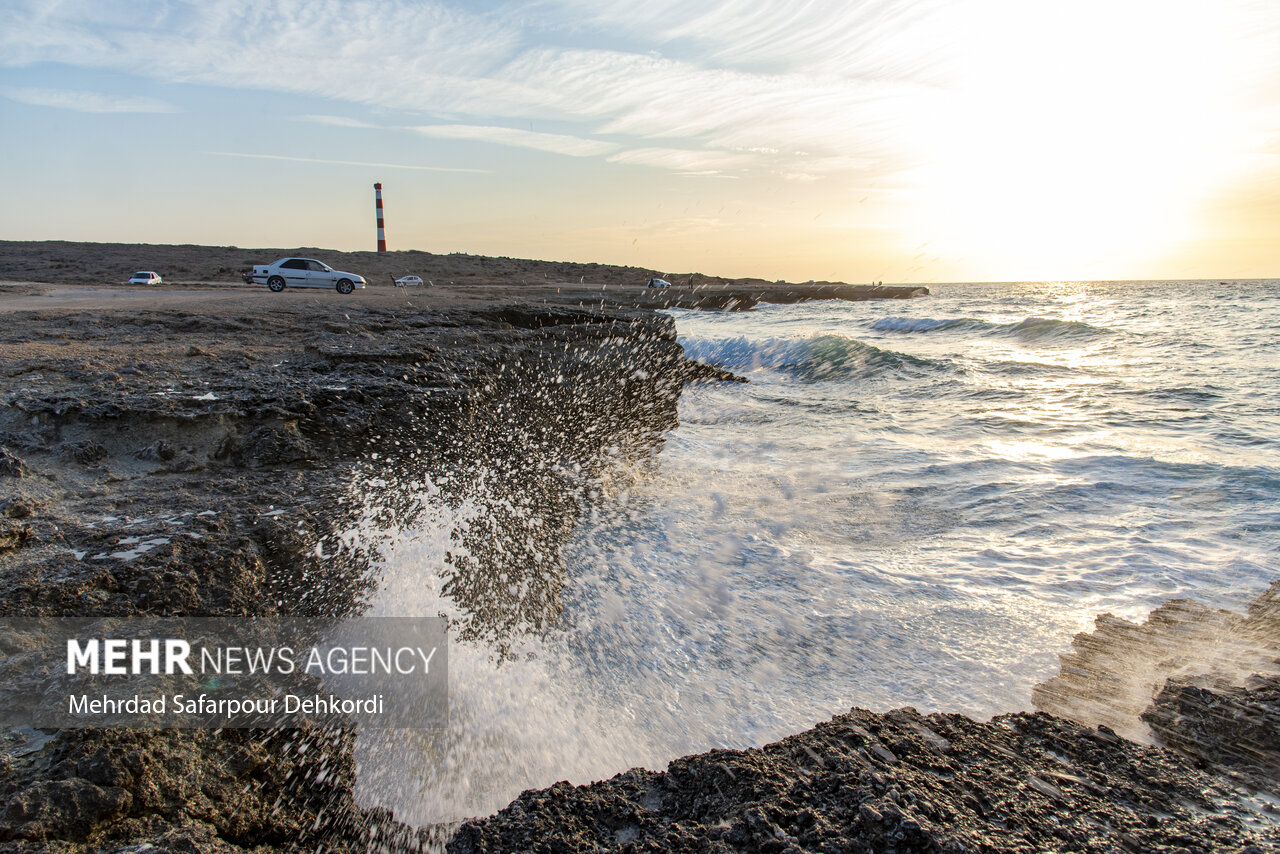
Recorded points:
818,358
920,324
1030,329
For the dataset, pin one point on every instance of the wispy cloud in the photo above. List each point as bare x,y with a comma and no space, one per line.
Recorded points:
335,121
553,142
873,39
794,116
86,102
342,162
682,159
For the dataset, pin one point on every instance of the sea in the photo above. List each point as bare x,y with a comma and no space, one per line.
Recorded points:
910,503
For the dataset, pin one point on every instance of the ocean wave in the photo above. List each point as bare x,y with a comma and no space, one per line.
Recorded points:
1016,368
1030,329
1048,327
918,324
1194,395
818,358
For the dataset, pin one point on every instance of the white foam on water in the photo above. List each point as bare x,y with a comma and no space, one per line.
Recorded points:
682,631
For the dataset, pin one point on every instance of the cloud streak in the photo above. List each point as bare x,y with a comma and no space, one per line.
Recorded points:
335,121
86,102
342,162
689,161
555,143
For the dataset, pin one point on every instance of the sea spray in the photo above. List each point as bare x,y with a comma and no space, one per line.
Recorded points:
517,719
877,519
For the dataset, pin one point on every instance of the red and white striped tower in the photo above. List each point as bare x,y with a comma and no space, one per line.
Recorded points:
382,233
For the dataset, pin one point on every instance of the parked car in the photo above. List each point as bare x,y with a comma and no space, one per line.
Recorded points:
303,273
659,283
405,281
146,277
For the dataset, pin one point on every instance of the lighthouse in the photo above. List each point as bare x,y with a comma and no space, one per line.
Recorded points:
377,204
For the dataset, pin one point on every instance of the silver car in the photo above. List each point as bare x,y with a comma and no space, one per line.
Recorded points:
304,273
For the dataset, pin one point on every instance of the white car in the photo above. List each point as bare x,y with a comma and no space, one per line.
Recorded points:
659,283
303,273
146,277
407,281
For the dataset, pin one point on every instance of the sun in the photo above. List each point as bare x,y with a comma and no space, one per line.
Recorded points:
1078,140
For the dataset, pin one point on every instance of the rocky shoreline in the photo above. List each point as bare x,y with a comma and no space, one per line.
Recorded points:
173,463
200,460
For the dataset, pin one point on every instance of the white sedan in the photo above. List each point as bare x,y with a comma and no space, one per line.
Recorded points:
408,281
145,277
304,273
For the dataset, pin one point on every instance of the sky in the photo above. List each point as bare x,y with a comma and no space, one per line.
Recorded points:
850,140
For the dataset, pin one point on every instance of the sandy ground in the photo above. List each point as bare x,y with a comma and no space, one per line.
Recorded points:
36,296
210,297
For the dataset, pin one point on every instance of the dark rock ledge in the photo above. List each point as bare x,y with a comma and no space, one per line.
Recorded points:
895,782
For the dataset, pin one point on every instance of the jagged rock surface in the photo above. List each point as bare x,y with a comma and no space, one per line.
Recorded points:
897,782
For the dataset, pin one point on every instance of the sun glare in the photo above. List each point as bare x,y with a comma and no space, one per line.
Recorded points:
1079,139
